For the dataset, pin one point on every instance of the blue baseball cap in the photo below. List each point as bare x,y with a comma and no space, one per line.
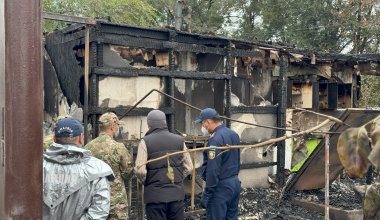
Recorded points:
207,113
68,127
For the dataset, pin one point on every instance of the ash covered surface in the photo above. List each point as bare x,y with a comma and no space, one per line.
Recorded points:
263,204
341,193
266,204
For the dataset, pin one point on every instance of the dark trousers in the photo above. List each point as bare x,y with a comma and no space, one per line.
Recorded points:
225,200
163,211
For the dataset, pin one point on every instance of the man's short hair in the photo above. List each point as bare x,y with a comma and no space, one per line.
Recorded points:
66,140
216,120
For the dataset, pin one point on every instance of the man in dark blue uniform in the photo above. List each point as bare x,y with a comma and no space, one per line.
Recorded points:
221,196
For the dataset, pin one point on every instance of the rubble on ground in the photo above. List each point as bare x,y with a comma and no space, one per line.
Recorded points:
259,203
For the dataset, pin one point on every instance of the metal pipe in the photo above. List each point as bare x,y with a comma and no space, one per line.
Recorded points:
193,107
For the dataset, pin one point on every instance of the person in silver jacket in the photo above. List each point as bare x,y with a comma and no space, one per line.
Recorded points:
75,184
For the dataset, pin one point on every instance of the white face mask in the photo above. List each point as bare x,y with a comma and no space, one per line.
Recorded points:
204,131
117,133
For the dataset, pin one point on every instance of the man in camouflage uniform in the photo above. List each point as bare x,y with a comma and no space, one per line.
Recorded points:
117,156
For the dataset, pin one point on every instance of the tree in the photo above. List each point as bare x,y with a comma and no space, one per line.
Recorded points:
325,25
133,12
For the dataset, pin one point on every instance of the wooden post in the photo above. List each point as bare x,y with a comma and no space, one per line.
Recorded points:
140,202
327,176
193,176
86,80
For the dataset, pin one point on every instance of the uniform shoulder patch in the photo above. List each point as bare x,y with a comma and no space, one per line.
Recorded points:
211,154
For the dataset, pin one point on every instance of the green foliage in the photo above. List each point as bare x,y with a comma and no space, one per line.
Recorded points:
353,148
210,16
310,145
370,85
133,12
324,25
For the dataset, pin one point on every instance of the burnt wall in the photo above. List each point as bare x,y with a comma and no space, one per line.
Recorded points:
51,87
200,93
67,66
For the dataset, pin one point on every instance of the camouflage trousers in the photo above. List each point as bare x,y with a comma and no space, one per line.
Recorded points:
118,212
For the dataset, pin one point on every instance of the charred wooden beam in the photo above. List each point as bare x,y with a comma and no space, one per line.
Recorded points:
257,165
254,109
135,72
196,48
133,31
228,84
121,110
68,18
281,121
126,40
245,53
170,84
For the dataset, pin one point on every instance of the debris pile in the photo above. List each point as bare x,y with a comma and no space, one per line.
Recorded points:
342,194
266,204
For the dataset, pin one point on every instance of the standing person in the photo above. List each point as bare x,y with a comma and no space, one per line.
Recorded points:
49,139
221,195
163,192
75,184
117,156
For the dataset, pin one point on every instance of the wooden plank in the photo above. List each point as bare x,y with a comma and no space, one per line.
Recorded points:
335,213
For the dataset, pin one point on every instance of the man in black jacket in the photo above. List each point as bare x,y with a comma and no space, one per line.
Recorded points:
163,192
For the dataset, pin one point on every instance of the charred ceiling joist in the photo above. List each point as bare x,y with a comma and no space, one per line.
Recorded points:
122,110
135,72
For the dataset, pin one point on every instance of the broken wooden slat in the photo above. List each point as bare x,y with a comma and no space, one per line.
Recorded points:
335,213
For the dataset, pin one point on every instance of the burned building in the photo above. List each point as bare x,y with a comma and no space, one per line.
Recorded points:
254,82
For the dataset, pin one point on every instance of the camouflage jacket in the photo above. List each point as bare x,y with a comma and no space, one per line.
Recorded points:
117,156
48,140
